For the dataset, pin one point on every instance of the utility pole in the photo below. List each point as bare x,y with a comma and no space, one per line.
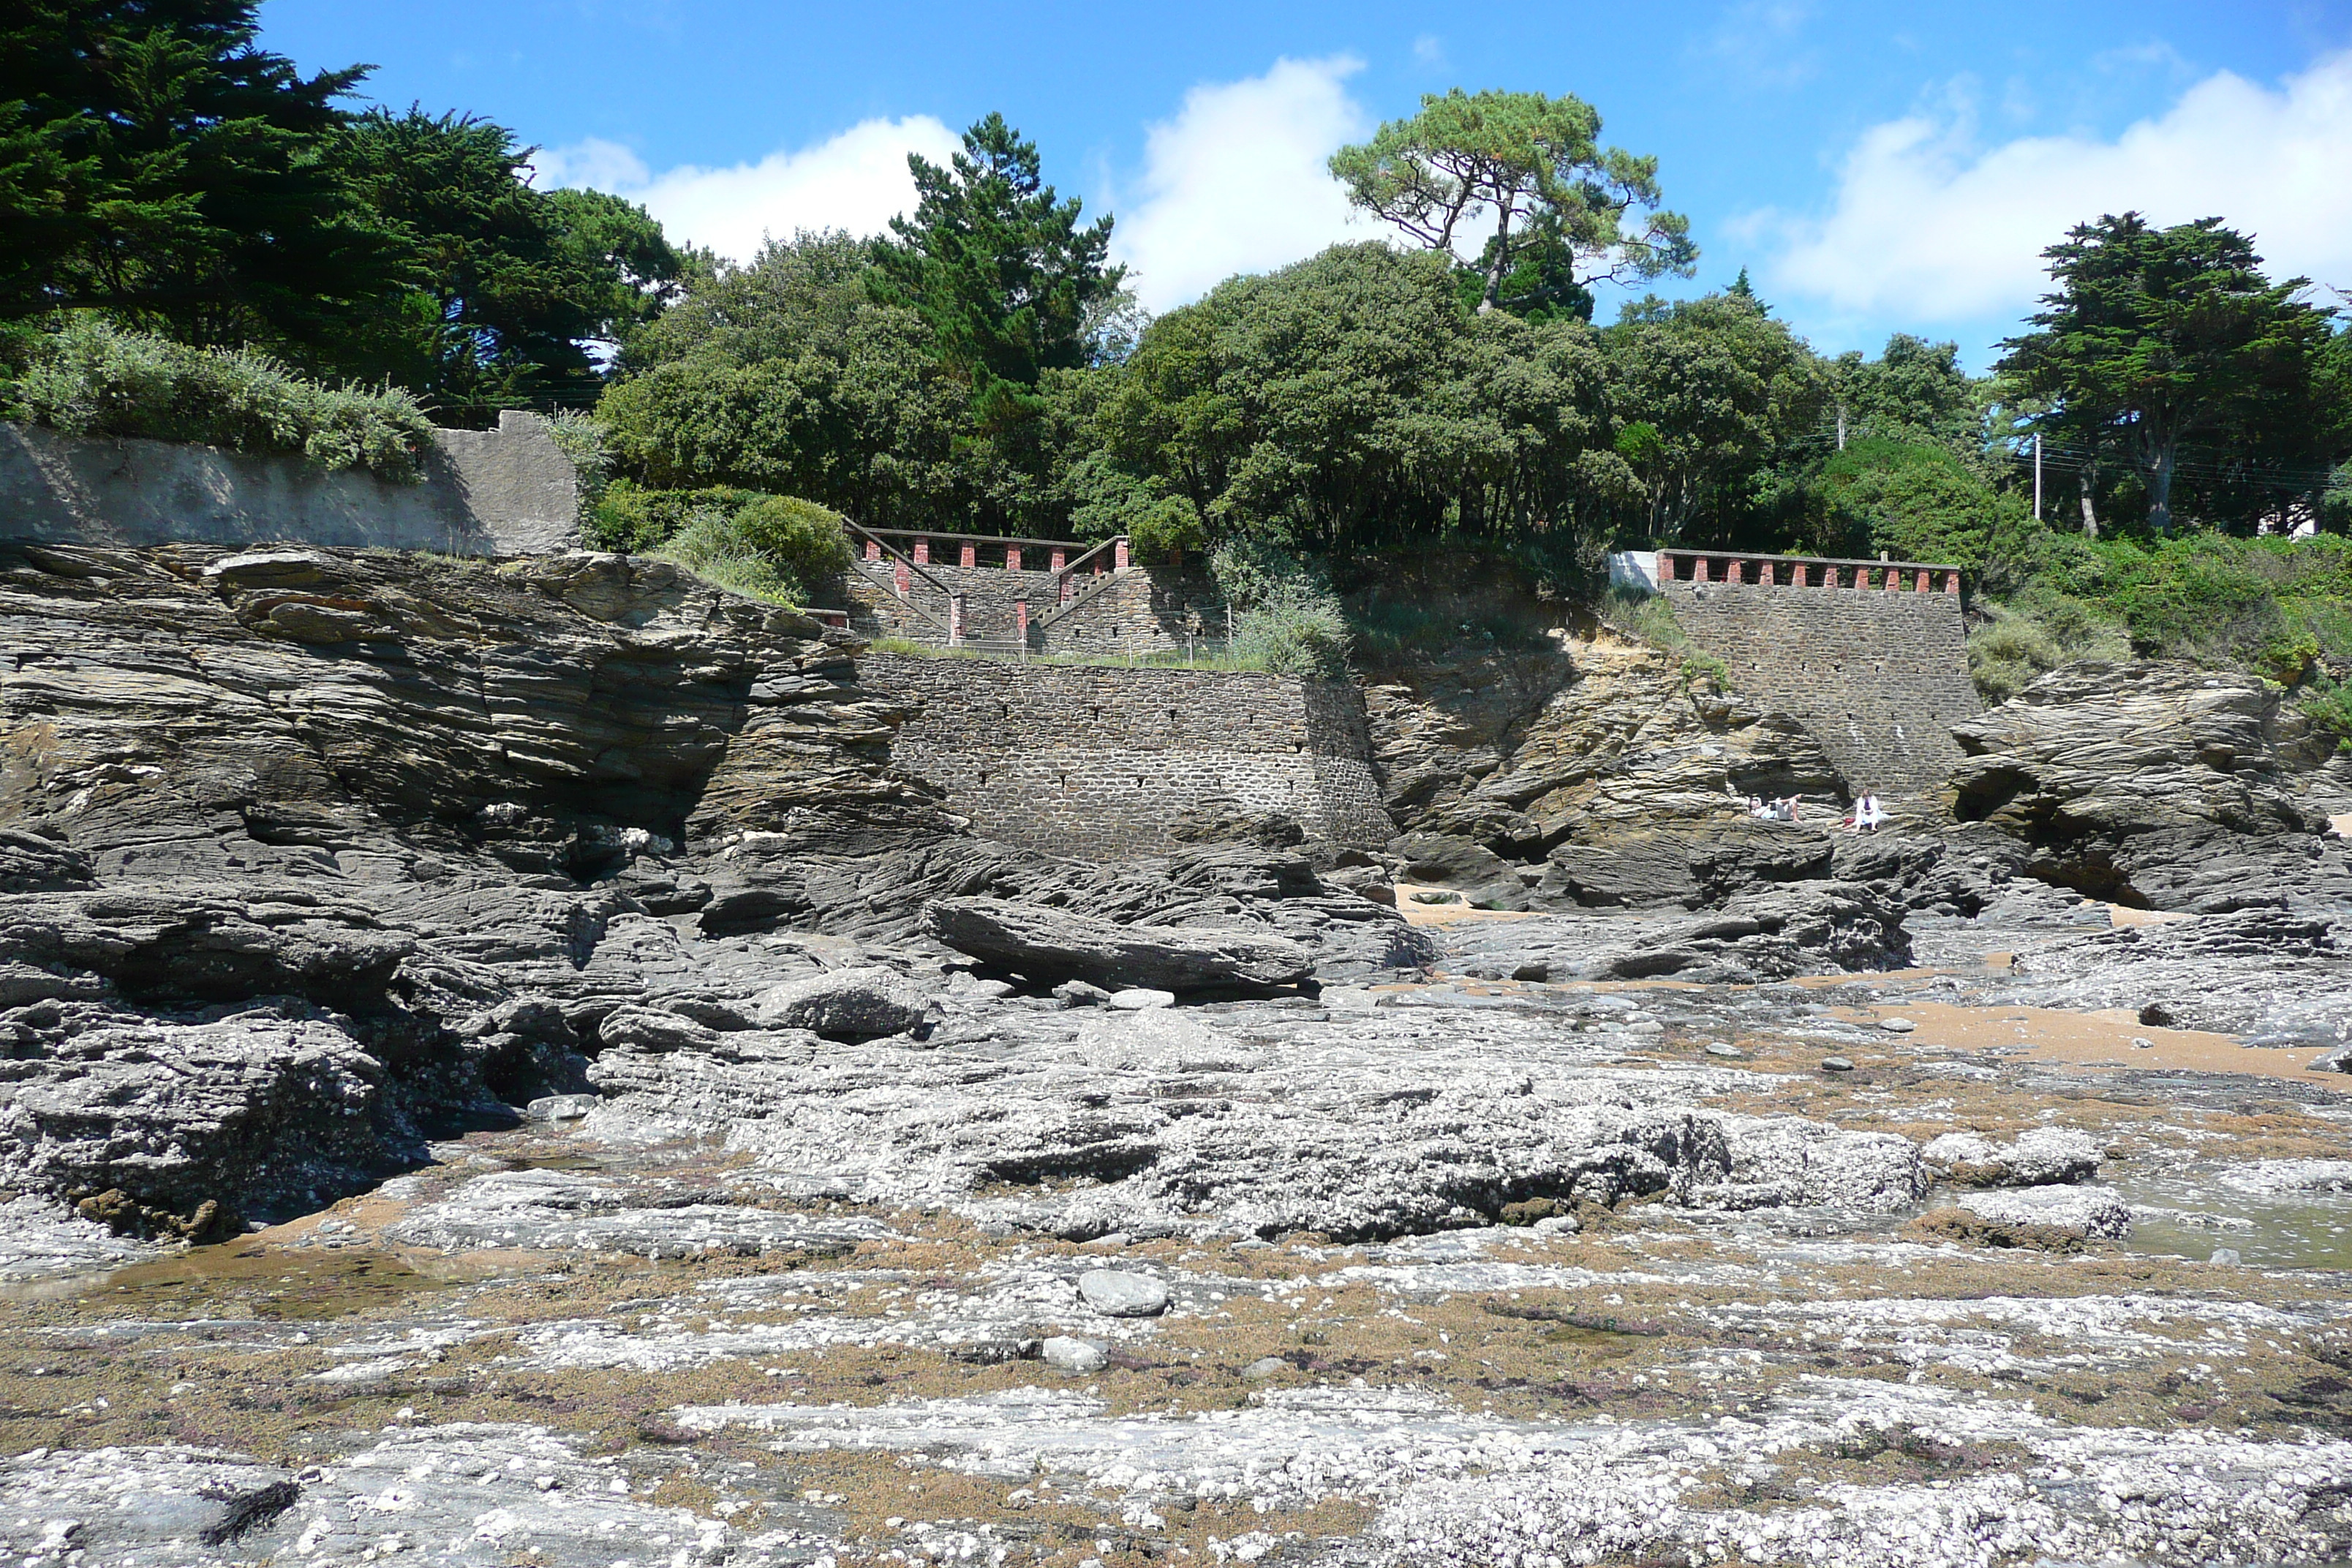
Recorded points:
1841,426
2037,476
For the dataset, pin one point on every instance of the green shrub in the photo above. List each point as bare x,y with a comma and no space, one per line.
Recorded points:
711,547
1915,502
1293,636
808,542
1648,618
776,548
1285,617
2327,703
1167,528
2033,632
636,521
93,379
2263,604
579,437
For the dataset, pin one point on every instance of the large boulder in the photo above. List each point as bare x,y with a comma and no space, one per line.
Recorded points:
1449,860
1694,864
1050,945
1772,934
2153,783
206,943
862,1004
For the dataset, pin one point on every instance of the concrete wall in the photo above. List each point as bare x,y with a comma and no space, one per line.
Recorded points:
1878,678
509,491
1099,762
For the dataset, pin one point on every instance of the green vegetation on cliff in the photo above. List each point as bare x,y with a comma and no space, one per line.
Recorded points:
983,367
92,379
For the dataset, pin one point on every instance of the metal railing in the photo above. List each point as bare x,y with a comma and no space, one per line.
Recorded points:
907,572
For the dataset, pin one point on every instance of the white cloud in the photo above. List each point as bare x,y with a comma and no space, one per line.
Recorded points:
1235,181
857,181
1930,225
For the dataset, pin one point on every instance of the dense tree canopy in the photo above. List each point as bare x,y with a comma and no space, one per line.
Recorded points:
157,166
1348,401
1001,272
2160,336
1709,392
507,287
983,367
1535,164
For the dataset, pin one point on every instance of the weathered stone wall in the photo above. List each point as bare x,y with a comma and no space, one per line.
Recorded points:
1144,610
509,491
1878,677
1099,762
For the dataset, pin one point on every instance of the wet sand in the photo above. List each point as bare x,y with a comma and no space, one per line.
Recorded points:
2109,1039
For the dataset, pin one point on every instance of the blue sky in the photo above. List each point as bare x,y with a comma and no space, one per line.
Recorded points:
1876,167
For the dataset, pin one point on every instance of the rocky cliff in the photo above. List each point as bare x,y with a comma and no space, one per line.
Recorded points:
688,1142
303,851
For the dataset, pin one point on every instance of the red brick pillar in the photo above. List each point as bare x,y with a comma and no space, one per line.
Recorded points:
1119,556
1058,562
1889,578
1920,586
1951,581
969,556
1012,558
922,552
1698,570
955,620
899,579
874,550
1020,619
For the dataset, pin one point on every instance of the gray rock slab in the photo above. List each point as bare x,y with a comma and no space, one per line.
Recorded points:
845,1004
1050,945
2092,1212
1066,1354
1117,1293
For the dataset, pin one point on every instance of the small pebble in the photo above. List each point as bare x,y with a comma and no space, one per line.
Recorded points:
1718,1049
1263,1367
1897,1026
2141,1044
1836,1064
2227,1255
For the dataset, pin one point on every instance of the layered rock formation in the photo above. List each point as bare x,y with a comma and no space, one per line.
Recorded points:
303,851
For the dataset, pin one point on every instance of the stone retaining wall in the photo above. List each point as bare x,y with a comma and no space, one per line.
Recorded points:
1099,762
1878,677
508,491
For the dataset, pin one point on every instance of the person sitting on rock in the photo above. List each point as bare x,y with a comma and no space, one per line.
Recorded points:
1866,813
